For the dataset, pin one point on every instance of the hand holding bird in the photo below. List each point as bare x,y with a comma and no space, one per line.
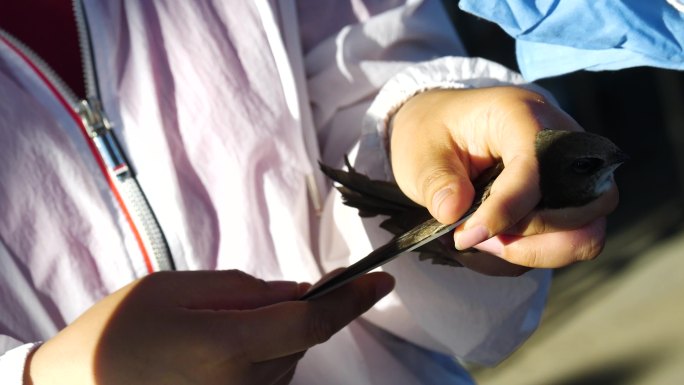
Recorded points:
443,139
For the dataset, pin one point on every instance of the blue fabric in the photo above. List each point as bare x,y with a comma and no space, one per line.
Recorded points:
554,37
432,368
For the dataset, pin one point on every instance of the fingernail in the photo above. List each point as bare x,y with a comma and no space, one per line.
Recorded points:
491,246
439,198
471,237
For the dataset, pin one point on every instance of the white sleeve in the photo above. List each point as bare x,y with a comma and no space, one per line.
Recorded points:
12,363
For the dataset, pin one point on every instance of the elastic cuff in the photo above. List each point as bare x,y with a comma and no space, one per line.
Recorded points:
13,363
443,73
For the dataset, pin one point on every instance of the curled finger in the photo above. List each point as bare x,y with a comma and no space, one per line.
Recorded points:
550,250
556,220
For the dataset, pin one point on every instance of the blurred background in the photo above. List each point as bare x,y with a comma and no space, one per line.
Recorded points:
617,320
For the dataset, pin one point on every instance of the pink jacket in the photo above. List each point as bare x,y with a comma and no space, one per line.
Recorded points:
223,108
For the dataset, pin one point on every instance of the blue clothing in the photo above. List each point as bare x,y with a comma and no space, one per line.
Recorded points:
554,37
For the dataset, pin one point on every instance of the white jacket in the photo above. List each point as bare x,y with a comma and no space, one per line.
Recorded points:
223,118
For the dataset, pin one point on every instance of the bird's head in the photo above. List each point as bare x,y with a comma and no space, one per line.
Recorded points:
575,167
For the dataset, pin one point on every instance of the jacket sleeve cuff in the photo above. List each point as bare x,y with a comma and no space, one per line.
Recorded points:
443,73
13,362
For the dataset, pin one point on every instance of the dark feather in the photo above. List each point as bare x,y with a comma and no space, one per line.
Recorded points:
376,197
360,191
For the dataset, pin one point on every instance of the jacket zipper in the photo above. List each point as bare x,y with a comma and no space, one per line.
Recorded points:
134,203
132,200
91,118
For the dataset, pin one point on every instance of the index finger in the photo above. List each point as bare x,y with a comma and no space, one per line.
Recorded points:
515,193
286,328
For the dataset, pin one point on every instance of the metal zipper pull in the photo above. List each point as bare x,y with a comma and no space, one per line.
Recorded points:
100,131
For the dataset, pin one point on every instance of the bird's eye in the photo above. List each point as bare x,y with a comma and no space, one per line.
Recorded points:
586,165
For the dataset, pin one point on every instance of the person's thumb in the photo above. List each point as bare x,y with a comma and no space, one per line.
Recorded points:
446,191
425,160
436,180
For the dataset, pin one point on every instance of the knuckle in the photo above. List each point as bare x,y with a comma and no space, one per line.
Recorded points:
320,327
432,180
508,215
238,274
156,282
261,284
527,96
533,258
516,96
247,281
539,225
240,277
524,256
157,276
590,250
594,237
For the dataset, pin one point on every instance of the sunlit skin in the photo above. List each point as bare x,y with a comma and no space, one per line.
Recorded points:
442,139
